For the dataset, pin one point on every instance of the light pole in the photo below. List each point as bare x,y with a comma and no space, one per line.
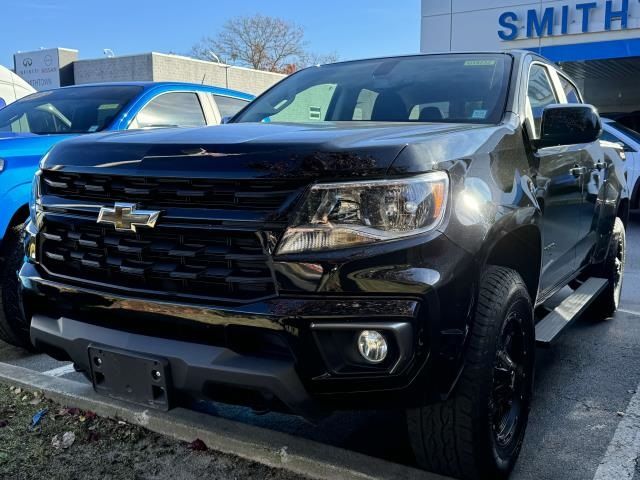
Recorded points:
226,67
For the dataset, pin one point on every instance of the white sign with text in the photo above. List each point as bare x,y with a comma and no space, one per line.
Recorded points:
41,69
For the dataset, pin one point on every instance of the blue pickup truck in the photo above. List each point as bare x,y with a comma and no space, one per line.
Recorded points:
30,126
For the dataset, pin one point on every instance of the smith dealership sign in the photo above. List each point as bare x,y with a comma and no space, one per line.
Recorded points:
566,19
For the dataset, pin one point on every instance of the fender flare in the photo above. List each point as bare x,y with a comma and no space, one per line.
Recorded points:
525,232
13,201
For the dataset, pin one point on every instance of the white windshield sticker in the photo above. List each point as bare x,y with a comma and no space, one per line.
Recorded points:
479,63
479,114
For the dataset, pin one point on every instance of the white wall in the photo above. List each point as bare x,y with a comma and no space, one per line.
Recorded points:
161,67
183,69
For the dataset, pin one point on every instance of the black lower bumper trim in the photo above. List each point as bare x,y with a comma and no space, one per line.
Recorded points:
194,368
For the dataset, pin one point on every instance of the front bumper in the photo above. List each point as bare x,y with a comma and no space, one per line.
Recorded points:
295,351
273,353
195,368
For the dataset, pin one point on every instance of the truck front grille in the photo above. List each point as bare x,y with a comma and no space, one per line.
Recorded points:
152,192
208,263
213,240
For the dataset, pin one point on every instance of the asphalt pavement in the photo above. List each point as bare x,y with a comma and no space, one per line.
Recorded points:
585,419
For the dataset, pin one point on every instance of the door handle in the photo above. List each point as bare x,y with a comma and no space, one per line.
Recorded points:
600,165
578,171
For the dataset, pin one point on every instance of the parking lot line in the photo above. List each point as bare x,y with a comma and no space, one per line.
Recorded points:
630,312
623,452
60,371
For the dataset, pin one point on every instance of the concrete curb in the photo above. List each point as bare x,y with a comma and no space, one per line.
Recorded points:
275,449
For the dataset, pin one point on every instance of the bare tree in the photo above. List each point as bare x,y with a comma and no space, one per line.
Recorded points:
260,42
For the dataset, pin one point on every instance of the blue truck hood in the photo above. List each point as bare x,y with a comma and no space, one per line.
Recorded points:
17,145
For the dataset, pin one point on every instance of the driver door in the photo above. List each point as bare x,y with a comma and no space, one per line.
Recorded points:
559,187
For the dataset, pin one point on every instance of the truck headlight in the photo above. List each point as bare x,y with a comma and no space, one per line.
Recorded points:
348,214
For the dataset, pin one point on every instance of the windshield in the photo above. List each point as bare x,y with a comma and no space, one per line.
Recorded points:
67,110
468,88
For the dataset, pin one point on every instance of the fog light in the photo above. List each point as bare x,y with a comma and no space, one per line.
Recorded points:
372,346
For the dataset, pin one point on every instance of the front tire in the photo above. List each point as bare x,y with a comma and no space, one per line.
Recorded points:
478,432
14,327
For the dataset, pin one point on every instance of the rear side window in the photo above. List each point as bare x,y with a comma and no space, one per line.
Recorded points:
570,90
229,106
540,94
176,109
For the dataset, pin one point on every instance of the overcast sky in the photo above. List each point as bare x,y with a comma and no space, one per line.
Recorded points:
352,28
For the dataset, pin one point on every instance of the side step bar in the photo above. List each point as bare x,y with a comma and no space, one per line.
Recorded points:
571,308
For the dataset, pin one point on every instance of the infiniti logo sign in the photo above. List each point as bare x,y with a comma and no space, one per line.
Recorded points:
27,62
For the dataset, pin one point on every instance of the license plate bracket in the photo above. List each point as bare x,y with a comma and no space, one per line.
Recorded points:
132,377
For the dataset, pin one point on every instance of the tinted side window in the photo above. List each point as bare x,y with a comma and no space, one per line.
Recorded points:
229,106
179,109
540,94
570,90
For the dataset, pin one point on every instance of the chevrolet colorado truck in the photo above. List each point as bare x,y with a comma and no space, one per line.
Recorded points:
370,234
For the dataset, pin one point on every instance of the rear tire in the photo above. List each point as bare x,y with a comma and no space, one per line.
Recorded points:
14,327
612,268
478,432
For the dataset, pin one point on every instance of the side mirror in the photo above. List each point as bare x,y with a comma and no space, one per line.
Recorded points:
569,125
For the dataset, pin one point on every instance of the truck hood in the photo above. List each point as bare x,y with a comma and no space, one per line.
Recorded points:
249,150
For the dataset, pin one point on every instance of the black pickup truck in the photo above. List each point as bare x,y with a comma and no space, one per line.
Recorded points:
370,234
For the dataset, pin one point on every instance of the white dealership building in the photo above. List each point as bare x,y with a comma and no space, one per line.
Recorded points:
595,41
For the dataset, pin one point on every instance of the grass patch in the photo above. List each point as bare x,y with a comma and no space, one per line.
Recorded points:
102,448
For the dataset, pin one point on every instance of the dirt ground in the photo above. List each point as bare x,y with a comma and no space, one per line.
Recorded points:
102,448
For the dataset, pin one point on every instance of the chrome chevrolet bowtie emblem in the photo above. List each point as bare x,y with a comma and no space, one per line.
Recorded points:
125,217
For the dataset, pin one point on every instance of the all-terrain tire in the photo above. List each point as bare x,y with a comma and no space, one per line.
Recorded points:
612,268
458,437
14,328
